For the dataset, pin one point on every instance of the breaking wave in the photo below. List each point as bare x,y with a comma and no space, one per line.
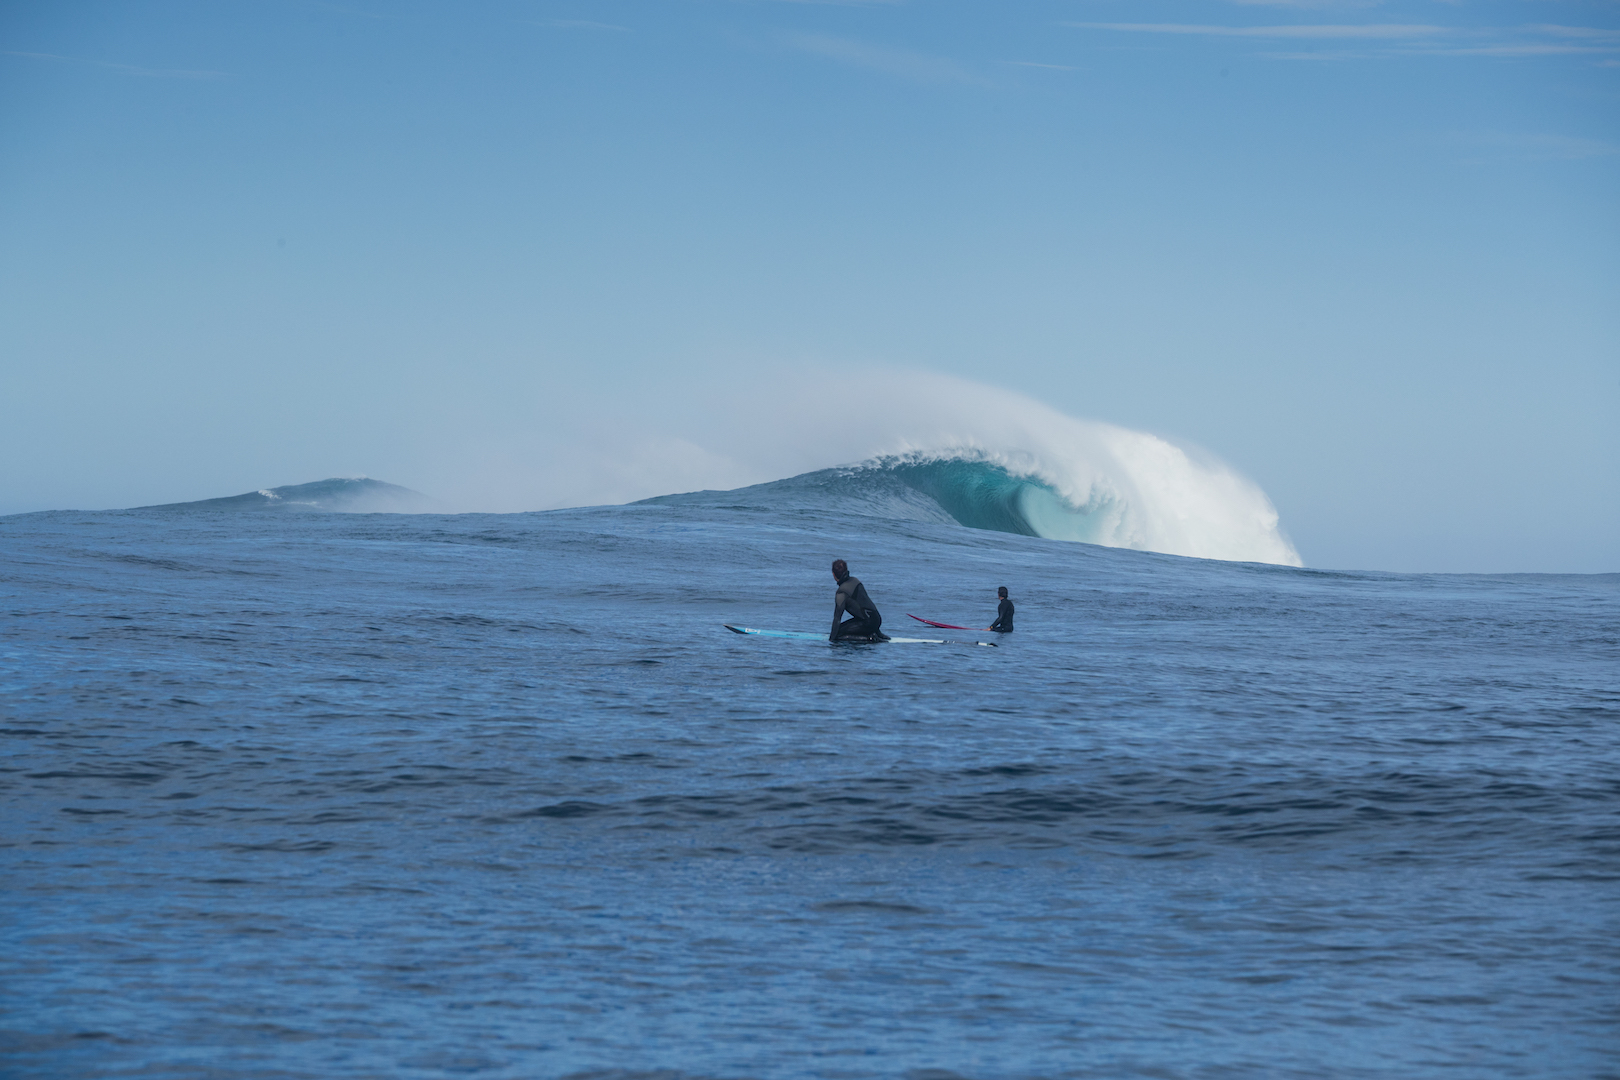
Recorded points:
1213,514
942,447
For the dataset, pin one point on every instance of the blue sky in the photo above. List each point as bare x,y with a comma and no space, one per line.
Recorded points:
1368,253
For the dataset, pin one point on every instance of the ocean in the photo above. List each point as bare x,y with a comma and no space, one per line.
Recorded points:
296,793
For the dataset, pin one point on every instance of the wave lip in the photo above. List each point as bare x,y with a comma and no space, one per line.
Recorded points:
343,495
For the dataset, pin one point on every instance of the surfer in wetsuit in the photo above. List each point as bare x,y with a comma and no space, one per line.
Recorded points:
1004,612
864,622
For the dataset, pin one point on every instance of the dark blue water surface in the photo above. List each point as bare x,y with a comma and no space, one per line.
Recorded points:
324,795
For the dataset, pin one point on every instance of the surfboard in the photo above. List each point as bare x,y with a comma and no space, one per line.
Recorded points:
943,625
801,636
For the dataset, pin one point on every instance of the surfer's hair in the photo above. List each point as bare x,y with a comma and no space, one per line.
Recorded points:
1002,592
840,567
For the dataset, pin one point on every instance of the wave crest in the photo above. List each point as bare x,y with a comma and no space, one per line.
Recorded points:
1127,489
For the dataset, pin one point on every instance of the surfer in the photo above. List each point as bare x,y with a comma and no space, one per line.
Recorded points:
1004,612
864,622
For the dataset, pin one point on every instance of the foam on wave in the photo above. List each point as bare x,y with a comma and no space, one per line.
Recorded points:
1132,491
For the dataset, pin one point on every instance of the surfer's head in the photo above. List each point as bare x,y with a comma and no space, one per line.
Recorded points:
840,569
1002,592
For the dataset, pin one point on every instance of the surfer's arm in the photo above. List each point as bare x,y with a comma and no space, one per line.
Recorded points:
839,600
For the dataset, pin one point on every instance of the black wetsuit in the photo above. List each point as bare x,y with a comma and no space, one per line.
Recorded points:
1003,623
864,620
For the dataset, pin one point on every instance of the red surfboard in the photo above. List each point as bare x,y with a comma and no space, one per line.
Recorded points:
941,625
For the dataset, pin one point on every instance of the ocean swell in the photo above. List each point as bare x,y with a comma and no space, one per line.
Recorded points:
348,495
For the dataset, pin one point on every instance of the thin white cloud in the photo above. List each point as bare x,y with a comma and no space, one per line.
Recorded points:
1586,33
1321,55
1401,38
1037,64
1310,5
1527,49
1542,147
123,69
342,9
901,63
1336,32
580,24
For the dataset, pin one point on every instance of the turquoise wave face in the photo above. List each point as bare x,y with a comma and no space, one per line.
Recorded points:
982,495
972,492
975,493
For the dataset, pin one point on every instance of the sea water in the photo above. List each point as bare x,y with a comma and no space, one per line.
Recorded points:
384,795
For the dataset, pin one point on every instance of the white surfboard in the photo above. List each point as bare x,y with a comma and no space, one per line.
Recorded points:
801,636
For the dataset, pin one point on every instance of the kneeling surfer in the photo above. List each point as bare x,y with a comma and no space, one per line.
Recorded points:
864,622
1004,613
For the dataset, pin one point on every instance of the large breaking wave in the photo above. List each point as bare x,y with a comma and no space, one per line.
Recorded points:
973,489
992,459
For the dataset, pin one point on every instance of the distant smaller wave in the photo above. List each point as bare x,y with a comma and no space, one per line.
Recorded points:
340,495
